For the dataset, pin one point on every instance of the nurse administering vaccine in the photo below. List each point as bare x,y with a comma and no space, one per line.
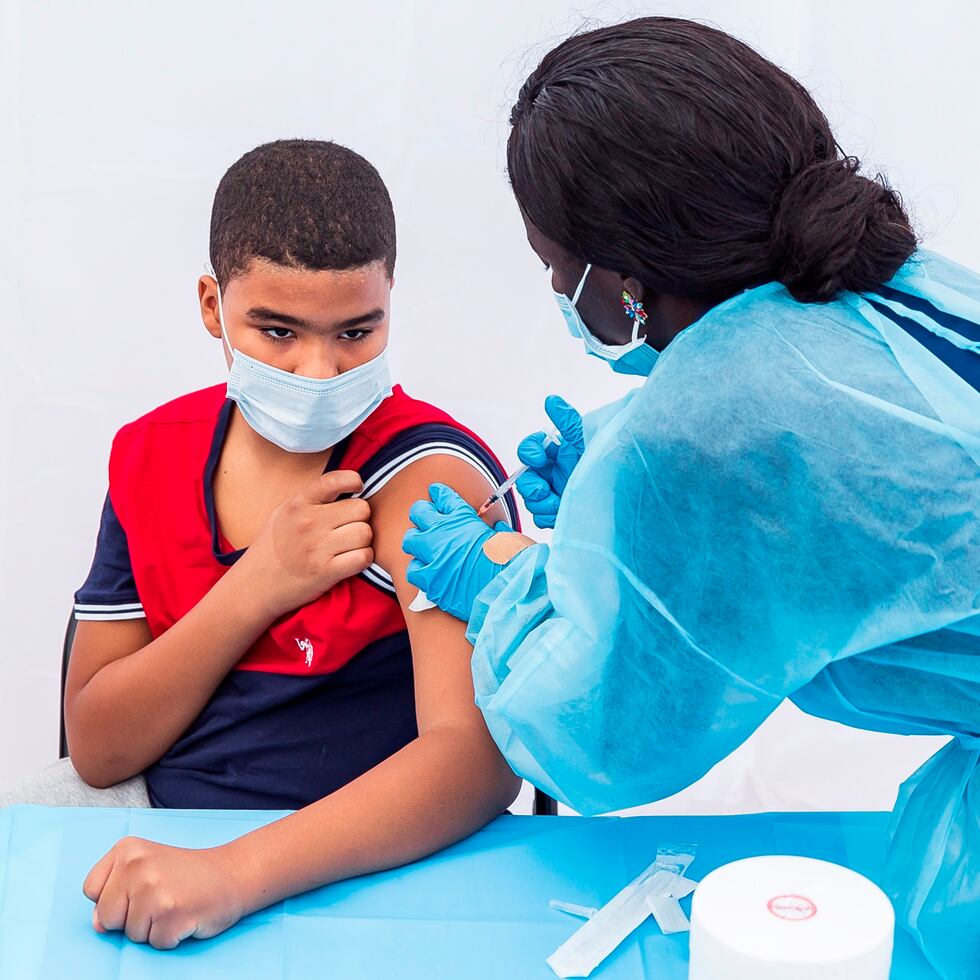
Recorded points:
786,509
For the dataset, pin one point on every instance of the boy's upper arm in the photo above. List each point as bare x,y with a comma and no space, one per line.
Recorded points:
440,652
97,644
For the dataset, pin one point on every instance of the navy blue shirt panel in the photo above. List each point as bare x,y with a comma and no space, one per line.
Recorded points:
110,580
272,741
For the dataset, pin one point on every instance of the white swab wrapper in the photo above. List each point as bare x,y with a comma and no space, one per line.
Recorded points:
669,914
421,602
585,949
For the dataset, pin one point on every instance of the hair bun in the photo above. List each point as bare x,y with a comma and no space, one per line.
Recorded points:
835,230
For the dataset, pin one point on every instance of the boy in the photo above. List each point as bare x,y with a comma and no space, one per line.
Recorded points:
243,636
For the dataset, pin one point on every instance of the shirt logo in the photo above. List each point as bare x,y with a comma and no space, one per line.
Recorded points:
305,646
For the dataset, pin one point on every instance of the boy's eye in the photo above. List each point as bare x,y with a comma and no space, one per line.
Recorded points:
547,266
278,333
354,334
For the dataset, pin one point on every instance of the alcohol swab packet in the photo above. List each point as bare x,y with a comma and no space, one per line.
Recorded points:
668,913
582,911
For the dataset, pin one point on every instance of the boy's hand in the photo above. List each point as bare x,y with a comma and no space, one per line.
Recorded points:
163,895
311,542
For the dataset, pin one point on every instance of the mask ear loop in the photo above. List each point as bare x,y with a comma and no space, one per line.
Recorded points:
581,284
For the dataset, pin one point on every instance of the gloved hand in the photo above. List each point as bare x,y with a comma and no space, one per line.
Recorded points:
450,565
551,465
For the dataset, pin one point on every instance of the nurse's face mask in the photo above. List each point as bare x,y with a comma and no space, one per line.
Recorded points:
637,357
298,414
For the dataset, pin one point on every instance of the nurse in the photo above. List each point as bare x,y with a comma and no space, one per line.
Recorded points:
787,508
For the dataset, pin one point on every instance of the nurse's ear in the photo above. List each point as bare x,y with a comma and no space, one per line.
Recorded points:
632,299
634,287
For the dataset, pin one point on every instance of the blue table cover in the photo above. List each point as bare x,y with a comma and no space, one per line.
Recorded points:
477,910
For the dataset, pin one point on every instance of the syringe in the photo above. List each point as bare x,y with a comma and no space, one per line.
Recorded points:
551,439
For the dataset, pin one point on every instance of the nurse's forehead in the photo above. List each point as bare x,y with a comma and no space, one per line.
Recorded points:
545,247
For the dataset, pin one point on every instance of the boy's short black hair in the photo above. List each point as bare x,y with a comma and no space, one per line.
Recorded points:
303,203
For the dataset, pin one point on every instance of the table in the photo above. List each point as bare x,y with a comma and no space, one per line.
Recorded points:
476,911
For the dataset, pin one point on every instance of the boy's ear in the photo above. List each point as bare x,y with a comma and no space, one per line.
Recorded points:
207,295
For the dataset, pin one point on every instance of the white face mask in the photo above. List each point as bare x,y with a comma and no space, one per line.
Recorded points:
298,414
637,357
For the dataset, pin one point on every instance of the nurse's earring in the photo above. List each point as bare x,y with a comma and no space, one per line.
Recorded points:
634,310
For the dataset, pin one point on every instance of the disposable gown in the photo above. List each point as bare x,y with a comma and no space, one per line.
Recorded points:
788,508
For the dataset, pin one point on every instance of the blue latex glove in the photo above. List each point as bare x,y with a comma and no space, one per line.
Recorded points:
446,544
551,465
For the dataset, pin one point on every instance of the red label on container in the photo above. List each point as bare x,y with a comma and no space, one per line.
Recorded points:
795,908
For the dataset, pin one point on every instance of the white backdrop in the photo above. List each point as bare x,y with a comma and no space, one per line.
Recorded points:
118,118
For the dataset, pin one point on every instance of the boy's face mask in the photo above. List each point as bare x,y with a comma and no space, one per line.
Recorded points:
637,357
298,414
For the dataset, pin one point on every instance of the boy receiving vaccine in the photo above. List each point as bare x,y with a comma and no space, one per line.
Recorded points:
243,636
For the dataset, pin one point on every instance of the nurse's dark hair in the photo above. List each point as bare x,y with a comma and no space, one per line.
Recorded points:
670,151
305,204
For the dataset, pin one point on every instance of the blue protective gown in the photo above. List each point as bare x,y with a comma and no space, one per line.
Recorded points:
786,509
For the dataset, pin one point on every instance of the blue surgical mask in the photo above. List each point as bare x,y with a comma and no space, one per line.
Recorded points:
637,357
298,414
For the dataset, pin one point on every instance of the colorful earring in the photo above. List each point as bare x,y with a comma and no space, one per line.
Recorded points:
634,308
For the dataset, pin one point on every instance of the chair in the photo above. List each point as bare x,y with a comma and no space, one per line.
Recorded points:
543,805
65,654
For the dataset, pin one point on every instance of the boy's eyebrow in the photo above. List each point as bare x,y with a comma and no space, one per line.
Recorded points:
373,316
266,314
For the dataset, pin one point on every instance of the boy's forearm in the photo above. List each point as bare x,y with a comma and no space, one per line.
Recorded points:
438,789
133,709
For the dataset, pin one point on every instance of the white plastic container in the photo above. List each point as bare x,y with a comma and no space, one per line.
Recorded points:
790,918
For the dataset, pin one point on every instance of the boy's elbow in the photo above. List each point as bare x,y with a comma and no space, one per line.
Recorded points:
98,769
89,772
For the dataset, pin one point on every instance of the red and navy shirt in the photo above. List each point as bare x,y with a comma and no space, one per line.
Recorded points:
326,693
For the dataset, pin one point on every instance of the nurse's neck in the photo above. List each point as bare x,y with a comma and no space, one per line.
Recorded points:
667,316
